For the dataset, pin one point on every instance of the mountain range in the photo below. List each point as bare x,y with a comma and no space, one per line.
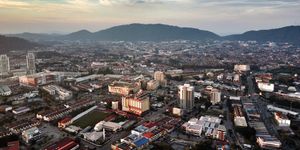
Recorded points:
15,43
161,32
289,34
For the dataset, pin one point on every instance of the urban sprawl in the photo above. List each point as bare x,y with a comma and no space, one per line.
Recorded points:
151,95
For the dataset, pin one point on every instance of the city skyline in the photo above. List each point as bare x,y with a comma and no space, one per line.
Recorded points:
221,17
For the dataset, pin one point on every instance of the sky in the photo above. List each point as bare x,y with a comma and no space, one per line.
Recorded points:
220,16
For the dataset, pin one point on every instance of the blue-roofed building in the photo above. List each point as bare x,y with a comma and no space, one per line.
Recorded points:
140,143
140,130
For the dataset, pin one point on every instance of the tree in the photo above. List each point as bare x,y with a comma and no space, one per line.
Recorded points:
203,145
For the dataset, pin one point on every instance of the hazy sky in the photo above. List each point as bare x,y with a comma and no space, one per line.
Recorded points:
219,16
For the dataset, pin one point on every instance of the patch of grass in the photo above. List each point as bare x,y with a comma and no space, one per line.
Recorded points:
90,119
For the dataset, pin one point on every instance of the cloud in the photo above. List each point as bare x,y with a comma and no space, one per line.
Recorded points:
12,4
134,2
215,15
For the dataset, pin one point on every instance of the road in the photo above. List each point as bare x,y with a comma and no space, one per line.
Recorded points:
233,139
261,106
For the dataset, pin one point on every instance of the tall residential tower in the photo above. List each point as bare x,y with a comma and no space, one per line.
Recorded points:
30,60
160,77
186,96
4,64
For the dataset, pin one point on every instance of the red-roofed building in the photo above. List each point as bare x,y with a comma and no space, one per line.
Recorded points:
64,144
150,125
65,122
148,135
14,145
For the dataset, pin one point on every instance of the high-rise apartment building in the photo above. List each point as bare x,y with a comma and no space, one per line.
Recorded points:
215,96
4,64
160,77
186,96
30,60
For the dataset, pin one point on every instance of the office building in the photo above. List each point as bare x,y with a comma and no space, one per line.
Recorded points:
30,60
4,65
186,96
137,104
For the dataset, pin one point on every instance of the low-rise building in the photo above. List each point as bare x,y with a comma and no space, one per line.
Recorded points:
42,78
115,105
265,87
31,134
20,126
268,142
5,90
241,68
177,111
239,118
5,108
111,126
61,93
64,144
282,120
122,88
64,122
208,126
93,136
21,110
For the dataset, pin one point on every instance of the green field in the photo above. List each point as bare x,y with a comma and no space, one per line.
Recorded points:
90,119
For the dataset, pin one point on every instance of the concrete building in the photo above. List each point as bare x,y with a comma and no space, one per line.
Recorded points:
21,110
241,68
115,105
206,125
107,125
177,111
64,122
186,97
4,65
152,85
31,134
61,93
5,90
30,61
239,118
122,88
284,111
215,96
93,136
43,78
160,77
137,104
268,142
266,87
282,120
5,108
